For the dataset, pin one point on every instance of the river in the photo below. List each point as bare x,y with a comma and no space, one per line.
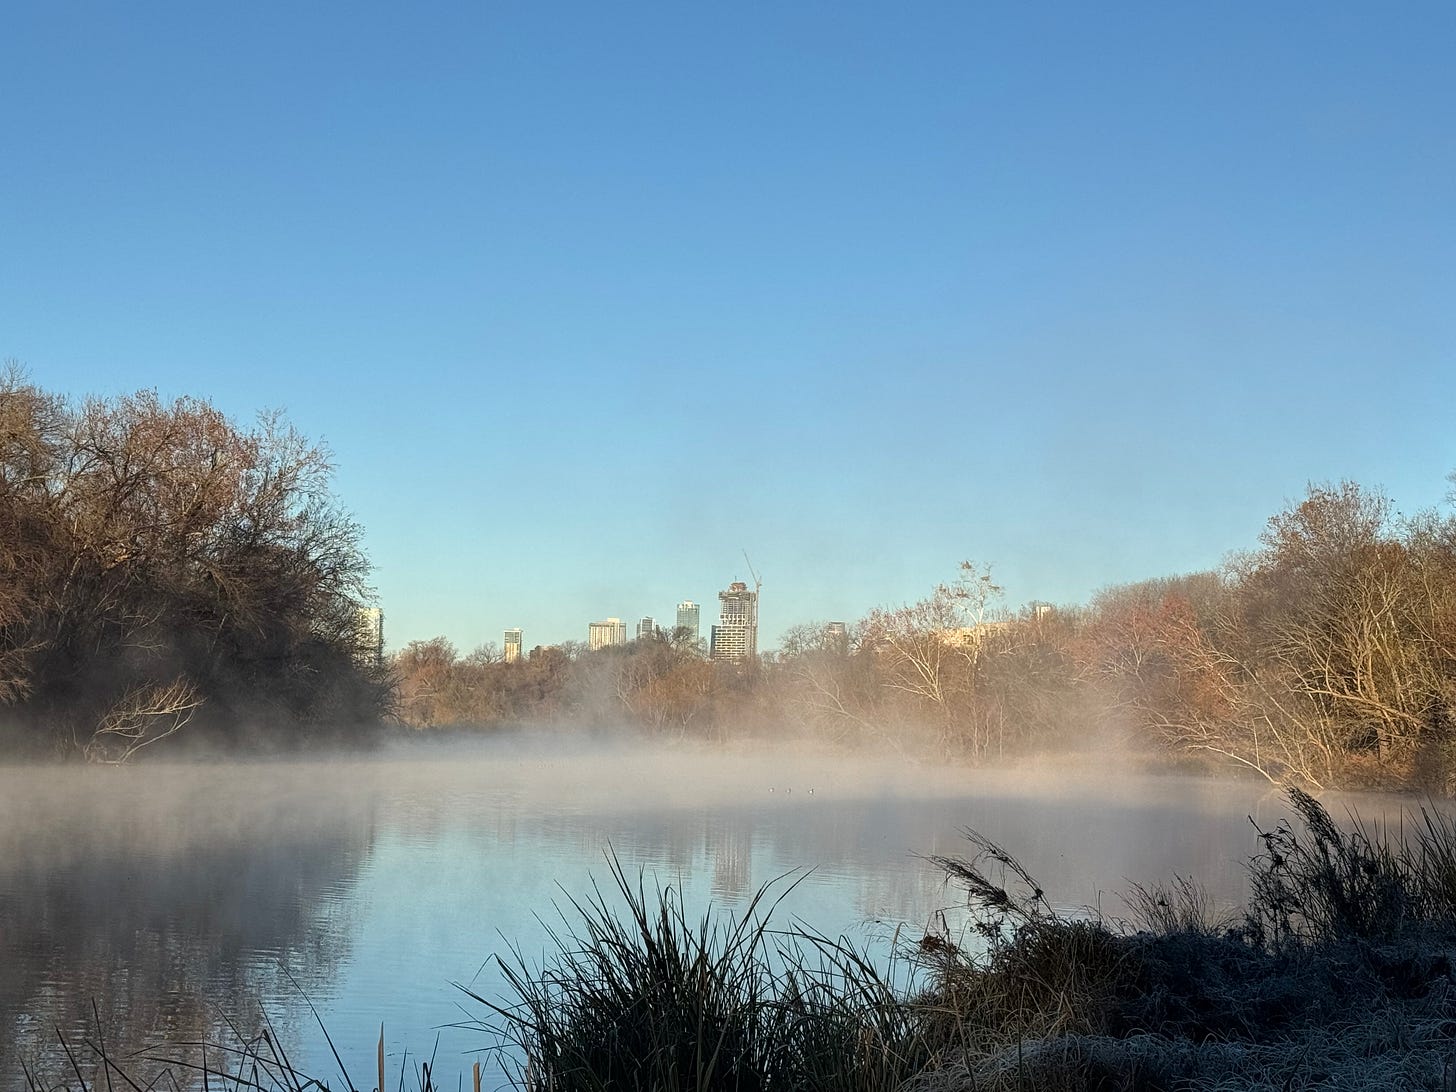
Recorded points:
174,898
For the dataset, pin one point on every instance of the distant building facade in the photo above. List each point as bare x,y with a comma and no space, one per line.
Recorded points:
973,637
369,636
836,637
605,634
647,629
688,618
512,645
735,637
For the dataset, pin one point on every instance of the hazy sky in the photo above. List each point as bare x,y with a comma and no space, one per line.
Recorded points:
587,299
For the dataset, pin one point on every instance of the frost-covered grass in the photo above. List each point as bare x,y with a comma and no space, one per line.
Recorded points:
1338,974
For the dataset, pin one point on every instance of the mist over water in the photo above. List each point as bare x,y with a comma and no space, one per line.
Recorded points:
175,896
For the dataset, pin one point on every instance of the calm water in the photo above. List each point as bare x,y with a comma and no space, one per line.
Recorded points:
175,897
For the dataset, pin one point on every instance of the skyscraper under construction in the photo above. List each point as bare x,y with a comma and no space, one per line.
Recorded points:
735,637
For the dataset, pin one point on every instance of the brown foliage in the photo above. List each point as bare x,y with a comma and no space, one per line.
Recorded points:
159,560
1324,657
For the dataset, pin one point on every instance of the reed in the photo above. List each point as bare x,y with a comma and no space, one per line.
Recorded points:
1325,885
1339,972
247,1060
644,997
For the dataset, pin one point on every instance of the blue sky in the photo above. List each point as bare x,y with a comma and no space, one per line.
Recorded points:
588,298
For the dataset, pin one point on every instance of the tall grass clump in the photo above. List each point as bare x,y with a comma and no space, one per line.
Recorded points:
645,998
1024,971
1325,885
1338,973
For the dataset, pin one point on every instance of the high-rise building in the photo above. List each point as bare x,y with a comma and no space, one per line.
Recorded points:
369,636
513,645
735,637
647,629
836,637
687,618
603,634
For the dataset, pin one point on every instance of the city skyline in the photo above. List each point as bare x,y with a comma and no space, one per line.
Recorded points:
687,617
611,630
738,626
584,300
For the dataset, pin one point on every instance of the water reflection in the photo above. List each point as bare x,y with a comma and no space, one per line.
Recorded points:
169,895
166,899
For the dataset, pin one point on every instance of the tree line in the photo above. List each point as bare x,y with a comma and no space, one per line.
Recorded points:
162,566
1325,656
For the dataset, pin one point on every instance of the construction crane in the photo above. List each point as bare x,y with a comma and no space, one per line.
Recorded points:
757,583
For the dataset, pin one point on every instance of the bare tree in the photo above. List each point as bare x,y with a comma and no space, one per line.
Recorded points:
930,650
141,717
150,541
1330,652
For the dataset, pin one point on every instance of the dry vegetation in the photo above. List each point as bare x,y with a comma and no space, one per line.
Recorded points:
1326,657
162,567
